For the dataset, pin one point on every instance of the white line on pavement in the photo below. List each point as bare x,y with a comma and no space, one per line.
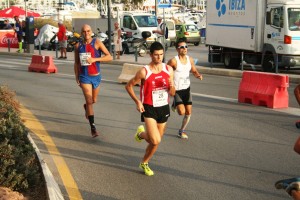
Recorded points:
291,111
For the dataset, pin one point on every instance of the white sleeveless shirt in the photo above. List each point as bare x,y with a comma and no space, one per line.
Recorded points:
182,74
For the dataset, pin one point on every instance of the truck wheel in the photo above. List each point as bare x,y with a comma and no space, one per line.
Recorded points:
230,62
268,64
196,43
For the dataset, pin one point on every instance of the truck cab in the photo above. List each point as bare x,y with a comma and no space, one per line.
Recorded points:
282,35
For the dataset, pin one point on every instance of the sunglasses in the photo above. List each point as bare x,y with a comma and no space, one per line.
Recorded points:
182,47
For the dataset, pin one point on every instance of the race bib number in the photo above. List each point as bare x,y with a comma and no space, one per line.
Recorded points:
160,98
83,58
17,29
184,83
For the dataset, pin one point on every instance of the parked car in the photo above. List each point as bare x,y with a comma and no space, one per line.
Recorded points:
188,31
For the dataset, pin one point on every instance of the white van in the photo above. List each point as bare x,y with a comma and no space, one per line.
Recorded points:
135,23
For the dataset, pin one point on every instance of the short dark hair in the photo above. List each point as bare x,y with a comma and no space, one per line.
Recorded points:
180,40
156,46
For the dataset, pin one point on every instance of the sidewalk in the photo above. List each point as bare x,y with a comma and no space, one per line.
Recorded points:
130,58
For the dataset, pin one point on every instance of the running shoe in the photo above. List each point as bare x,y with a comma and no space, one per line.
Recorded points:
94,133
293,186
146,168
139,130
182,135
283,184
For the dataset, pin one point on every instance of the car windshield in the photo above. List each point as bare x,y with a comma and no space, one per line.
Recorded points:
191,28
294,19
177,27
146,21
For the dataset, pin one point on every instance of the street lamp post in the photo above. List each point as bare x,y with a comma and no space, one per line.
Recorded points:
60,3
25,8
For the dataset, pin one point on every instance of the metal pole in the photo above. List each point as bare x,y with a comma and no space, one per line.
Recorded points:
40,52
25,9
242,61
114,52
164,38
8,45
156,7
276,63
56,50
211,57
136,54
109,26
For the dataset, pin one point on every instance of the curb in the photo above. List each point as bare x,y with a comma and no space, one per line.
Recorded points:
53,190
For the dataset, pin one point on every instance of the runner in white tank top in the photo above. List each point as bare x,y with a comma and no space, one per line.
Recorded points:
182,74
182,66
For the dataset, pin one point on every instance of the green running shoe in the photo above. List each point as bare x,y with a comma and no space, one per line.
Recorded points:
139,130
146,168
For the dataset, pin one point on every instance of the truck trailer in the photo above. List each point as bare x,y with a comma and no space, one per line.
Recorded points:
262,32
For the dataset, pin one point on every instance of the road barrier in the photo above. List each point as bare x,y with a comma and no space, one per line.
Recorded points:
264,89
128,72
42,64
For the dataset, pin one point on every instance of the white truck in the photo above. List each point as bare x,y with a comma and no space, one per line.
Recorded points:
265,32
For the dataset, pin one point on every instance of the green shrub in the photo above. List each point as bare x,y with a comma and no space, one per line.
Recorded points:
20,168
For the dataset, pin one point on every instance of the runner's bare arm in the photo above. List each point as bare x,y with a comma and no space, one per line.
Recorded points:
297,93
172,62
139,76
194,69
76,64
172,90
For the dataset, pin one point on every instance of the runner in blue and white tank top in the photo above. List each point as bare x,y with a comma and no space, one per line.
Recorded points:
182,66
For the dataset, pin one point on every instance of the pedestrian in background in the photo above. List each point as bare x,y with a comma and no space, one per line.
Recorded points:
160,30
156,85
19,32
35,32
87,71
117,40
7,25
182,65
62,39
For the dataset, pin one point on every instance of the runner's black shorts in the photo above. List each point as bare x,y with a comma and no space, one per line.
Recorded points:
160,114
183,97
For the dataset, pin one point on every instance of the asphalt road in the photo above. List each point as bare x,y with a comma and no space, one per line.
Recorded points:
234,151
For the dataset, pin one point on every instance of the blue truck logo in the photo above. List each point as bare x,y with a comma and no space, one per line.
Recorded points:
221,7
234,6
